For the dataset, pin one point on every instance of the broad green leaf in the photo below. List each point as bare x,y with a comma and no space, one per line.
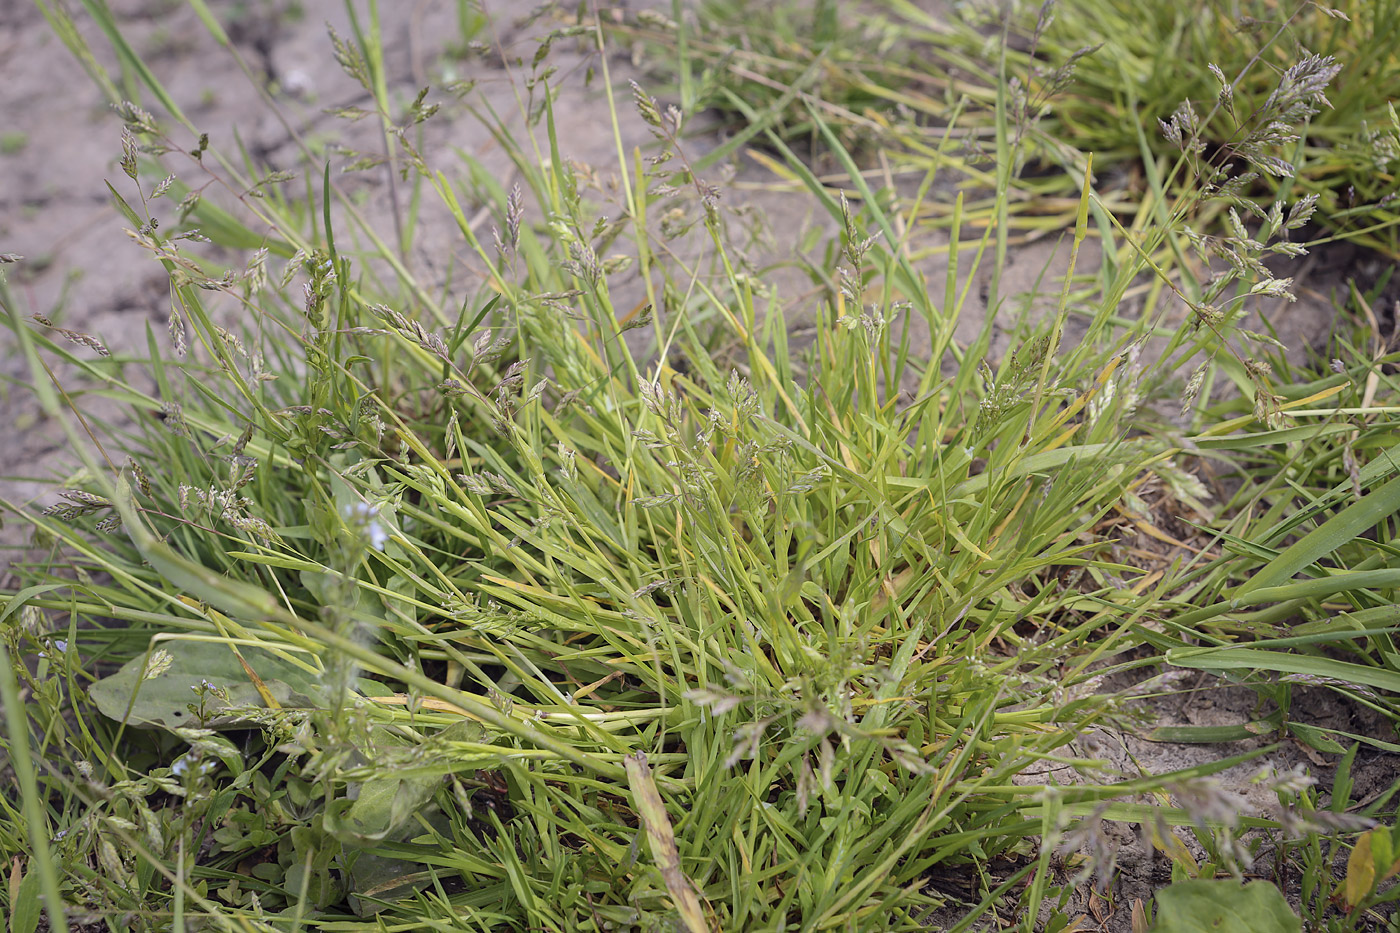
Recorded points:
1224,907
24,900
1319,739
165,699
382,807
377,881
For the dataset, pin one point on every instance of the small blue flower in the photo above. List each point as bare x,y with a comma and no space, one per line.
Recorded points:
365,518
194,764
377,535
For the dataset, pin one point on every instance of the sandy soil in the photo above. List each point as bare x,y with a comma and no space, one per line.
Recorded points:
60,141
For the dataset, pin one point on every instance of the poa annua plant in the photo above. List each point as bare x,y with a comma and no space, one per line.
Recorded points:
512,561
522,625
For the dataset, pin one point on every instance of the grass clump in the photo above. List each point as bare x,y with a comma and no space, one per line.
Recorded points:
1086,77
504,604
1131,63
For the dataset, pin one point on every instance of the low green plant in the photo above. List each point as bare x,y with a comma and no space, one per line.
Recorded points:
1081,78
494,604
771,55
1149,59
1225,906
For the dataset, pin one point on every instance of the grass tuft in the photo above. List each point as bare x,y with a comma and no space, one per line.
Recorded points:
512,602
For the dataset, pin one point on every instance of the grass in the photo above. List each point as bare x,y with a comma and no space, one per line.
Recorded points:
13,142
1081,78
498,605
